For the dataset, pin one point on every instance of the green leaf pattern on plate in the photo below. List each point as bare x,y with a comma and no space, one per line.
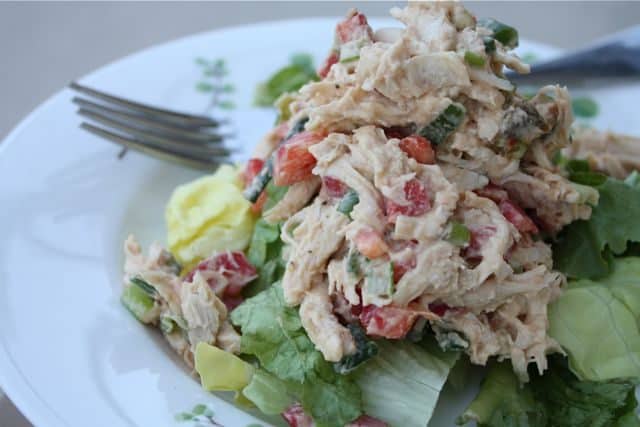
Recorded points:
213,83
202,416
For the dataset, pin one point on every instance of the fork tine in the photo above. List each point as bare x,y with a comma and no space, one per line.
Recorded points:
155,140
146,124
178,158
179,119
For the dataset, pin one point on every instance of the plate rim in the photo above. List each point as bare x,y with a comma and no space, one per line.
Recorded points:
12,380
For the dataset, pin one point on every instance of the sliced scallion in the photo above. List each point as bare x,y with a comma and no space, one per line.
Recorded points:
347,202
474,59
444,125
459,234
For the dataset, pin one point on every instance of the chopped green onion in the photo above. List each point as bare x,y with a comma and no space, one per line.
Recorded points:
577,165
144,286
353,263
365,350
297,127
348,202
167,325
449,340
474,59
489,45
260,181
444,125
350,59
592,179
505,34
139,303
459,234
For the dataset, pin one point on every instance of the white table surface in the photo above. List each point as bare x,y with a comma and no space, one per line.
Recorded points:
46,45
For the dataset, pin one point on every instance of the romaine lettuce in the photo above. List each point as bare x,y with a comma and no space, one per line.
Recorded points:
596,323
272,332
582,248
402,383
557,399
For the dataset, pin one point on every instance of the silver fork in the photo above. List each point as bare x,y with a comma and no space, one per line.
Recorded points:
186,139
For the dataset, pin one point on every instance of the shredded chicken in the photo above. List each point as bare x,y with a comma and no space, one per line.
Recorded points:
331,338
193,306
608,152
318,235
495,287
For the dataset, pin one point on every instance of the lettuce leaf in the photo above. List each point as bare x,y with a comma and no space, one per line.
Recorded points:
273,333
264,253
502,402
596,323
583,248
287,79
558,399
402,383
270,394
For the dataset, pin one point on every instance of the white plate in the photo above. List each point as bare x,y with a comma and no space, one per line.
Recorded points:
70,355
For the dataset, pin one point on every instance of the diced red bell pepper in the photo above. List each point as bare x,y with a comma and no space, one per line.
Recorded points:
235,267
418,197
401,268
516,216
295,416
328,63
370,243
397,132
493,192
293,162
479,236
253,167
387,322
353,27
367,421
418,148
334,187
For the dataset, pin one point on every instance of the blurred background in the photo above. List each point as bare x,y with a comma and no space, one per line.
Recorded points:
46,45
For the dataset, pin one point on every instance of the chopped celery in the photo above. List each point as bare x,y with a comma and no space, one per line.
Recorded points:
459,234
444,125
144,286
474,59
350,59
378,281
505,34
348,202
139,303
220,370
365,350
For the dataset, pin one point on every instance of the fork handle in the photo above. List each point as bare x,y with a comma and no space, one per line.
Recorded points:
614,56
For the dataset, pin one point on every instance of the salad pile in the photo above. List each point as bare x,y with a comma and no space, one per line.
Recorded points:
409,214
